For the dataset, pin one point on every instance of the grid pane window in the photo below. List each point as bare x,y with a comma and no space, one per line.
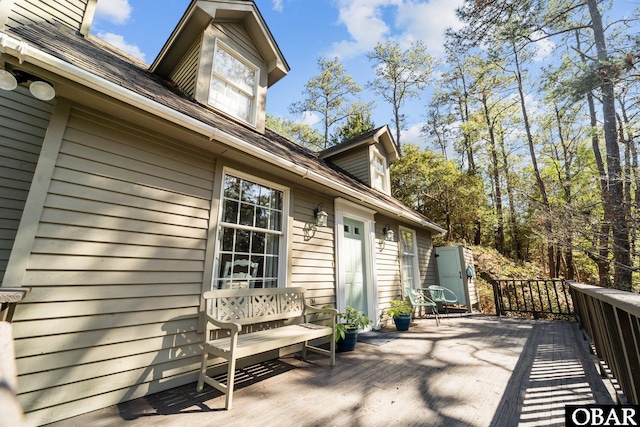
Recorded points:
408,248
233,85
379,173
251,232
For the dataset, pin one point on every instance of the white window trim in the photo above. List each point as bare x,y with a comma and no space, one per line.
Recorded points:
416,265
386,180
345,208
219,44
283,260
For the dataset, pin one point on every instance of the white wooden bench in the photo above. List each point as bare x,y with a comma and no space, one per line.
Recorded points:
272,318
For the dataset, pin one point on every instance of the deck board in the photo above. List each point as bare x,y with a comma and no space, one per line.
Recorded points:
472,371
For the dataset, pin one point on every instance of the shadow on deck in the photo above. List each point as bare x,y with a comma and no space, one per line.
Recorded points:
477,371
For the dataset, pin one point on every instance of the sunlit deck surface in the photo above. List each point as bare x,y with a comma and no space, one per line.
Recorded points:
469,371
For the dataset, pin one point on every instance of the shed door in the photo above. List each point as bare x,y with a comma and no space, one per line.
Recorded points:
354,269
450,271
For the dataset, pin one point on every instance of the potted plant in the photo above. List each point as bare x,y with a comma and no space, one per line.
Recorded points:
400,311
347,328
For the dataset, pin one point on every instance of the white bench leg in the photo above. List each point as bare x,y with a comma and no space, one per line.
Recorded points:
332,347
230,380
203,371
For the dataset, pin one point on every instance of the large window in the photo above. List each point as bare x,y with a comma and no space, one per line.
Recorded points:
233,84
409,258
251,234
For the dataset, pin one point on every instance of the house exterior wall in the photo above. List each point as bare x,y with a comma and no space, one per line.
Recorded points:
387,266
356,162
116,244
75,14
116,270
426,259
470,282
312,249
185,73
23,124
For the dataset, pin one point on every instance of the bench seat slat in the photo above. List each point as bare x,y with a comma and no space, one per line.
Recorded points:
270,339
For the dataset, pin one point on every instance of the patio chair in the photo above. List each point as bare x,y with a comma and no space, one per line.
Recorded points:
443,296
240,269
418,298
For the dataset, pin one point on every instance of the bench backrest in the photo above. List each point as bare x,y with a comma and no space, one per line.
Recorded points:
256,305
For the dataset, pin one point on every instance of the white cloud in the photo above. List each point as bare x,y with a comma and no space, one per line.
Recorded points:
427,21
119,42
277,5
543,47
363,19
368,23
115,11
310,118
412,135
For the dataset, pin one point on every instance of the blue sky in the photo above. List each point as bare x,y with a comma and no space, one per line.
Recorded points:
304,30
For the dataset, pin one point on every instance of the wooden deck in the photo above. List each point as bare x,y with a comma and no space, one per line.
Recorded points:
470,371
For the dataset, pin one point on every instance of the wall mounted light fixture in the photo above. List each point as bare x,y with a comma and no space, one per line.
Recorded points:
40,89
320,215
389,235
7,80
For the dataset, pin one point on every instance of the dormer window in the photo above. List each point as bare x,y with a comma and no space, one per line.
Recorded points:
379,172
234,83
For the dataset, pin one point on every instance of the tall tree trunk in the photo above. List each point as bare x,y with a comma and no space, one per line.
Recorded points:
567,245
495,168
513,221
617,214
632,175
601,258
541,187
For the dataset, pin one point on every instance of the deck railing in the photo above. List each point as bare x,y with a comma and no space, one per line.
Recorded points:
535,298
611,320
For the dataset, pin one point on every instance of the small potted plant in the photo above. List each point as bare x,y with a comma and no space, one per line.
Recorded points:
400,311
347,329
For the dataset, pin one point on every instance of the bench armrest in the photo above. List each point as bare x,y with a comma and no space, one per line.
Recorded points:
233,327
332,312
327,310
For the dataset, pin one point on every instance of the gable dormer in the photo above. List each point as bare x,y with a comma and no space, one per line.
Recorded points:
367,157
75,14
222,54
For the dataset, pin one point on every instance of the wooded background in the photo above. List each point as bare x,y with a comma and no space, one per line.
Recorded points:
532,127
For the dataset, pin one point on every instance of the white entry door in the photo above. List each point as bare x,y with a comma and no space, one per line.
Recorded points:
355,285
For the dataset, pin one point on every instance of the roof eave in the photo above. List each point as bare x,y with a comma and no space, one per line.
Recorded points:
26,53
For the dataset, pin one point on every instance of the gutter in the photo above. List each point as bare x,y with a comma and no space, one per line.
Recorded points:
25,52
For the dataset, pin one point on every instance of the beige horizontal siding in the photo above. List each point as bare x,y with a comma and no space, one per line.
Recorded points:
23,123
312,262
67,12
186,72
117,265
426,259
387,269
356,163
237,33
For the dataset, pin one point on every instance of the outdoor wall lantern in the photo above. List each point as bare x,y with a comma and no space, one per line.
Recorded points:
320,215
9,80
389,235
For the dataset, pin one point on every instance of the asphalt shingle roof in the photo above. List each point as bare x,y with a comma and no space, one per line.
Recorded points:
95,56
